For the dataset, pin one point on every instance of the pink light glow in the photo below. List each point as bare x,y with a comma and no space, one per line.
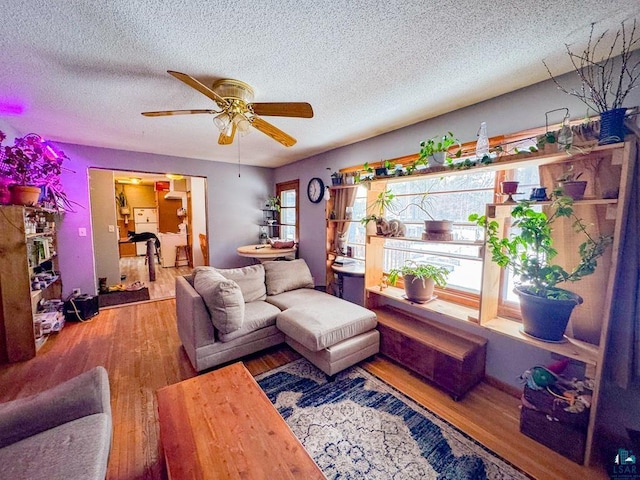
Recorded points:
8,107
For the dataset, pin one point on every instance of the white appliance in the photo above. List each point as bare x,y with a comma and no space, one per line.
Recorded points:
146,220
168,244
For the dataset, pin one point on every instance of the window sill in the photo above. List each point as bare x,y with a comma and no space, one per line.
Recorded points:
575,349
443,307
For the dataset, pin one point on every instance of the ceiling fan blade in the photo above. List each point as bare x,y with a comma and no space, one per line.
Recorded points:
227,139
202,88
283,109
177,112
275,133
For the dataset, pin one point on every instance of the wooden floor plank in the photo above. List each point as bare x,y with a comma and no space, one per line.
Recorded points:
139,346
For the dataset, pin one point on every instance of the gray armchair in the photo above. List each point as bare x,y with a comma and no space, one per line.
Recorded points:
62,433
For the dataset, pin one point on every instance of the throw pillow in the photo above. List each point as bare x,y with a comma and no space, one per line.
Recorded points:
250,279
222,297
282,276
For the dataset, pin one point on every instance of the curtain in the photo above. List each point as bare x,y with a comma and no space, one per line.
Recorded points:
622,360
344,197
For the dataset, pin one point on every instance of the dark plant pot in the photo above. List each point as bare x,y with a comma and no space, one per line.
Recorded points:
336,181
509,187
438,230
543,318
381,172
574,189
612,129
416,290
24,194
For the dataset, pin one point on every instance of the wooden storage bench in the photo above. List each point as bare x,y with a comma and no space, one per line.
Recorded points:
451,358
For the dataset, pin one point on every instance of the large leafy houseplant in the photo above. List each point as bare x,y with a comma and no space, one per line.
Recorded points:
530,253
419,279
32,162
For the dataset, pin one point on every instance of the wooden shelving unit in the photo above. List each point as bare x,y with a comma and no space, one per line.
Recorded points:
609,170
20,262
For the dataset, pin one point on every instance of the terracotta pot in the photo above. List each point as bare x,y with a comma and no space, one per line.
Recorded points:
574,189
24,195
543,318
509,187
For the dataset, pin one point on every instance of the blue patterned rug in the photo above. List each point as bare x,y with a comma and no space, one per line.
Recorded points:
358,427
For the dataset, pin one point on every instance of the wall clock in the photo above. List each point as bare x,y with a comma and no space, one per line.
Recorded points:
315,190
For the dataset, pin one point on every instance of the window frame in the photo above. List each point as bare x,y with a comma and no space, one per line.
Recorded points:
286,187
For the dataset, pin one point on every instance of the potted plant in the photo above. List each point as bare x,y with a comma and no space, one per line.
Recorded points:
570,186
435,149
33,169
383,202
419,279
545,308
121,200
605,80
273,203
336,178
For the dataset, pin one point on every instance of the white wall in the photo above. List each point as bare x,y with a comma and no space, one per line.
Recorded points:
103,217
198,216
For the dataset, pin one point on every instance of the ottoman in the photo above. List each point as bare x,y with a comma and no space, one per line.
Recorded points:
332,334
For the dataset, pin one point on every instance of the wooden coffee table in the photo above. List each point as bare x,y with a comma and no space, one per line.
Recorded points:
222,425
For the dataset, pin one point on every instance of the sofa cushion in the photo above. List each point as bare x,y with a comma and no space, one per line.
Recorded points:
319,325
250,279
75,450
287,275
222,297
257,315
292,298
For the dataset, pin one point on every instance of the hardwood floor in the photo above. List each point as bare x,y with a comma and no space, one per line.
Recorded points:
163,287
139,346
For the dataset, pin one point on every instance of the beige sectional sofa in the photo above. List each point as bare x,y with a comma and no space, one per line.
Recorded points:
224,314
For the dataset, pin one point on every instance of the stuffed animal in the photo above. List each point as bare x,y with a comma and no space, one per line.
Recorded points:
390,228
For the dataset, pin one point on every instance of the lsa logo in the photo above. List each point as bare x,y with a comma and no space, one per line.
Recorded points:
625,464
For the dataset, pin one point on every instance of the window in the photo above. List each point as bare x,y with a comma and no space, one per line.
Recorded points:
287,192
453,198
356,236
509,303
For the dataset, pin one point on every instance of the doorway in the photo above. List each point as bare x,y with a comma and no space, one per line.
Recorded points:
146,228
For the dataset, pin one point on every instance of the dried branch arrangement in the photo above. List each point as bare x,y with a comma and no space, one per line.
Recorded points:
606,81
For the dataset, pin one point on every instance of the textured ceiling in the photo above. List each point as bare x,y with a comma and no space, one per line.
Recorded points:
82,71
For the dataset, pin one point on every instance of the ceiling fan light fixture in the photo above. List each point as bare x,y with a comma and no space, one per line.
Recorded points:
242,124
228,130
222,121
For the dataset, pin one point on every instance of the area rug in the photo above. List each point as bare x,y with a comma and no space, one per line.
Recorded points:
359,427
118,298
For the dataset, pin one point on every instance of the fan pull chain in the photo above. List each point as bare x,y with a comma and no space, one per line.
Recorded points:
238,156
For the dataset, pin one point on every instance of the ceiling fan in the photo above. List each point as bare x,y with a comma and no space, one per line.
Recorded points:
237,111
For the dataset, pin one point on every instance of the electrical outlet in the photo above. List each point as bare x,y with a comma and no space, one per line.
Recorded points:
82,232
76,291
112,228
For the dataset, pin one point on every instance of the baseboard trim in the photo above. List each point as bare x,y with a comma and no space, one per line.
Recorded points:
503,386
